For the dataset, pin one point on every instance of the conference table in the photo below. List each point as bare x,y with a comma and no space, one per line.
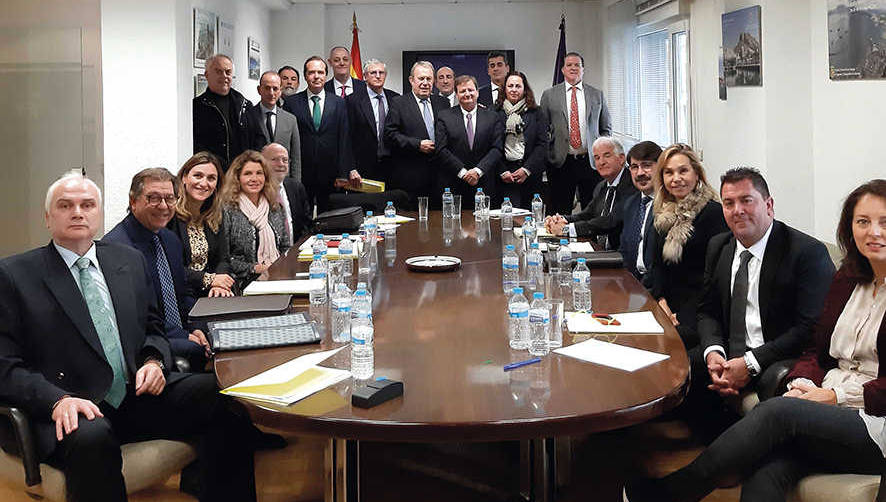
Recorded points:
444,335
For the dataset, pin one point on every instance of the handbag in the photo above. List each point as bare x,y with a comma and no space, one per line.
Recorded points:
345,219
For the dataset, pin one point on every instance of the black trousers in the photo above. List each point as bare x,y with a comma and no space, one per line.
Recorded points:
188,408
575,173
520,193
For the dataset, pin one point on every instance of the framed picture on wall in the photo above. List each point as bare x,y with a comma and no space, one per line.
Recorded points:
200,84
254,58
857,39
225,38
204,36
742,47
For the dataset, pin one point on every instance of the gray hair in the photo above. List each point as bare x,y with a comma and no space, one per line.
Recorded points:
215,57
424,64
273,145
616,145
371,62
74,175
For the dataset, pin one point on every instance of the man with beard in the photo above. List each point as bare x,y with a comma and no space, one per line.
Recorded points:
289,78
637,235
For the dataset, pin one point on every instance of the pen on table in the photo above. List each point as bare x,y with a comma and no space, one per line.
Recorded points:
509,367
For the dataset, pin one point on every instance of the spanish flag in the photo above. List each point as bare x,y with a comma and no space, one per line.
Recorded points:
356,64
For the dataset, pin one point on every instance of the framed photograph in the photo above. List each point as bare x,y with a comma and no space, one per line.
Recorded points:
200,84
225,38
742,47
857,39
254,58
204,36
721,77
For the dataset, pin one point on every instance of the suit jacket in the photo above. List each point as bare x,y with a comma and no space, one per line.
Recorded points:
794,279
411,169
452,98
359,86
535,137
553,107
285,133
455,154
631,212
212,132
218,256
365,134
243,241
300,210
131,233
590,222
48,343
325,152
484,96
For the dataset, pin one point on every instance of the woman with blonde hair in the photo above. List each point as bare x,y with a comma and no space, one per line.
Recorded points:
253,217
198,223
687,214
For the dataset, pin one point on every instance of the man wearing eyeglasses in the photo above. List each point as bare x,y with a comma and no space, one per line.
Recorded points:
152,198
220,113
367,111
637,245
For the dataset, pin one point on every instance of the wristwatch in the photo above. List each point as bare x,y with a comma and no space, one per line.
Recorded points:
751,369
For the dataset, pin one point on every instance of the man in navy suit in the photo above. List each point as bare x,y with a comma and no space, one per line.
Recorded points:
292,194
152,197
637,237
323,131
498,68
409,132
82,352
367,112
342,84
471,141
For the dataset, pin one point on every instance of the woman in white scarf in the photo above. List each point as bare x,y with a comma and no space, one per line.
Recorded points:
254,217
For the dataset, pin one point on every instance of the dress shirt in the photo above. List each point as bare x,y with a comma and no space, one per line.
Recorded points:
284,200
453,98
609,184
373,98
753,323
641,264
464,116
349,86
421,109
322,102
582,116
95,271
264,113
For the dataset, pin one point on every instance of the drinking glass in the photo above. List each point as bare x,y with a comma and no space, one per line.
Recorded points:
456,207
557,309
422,209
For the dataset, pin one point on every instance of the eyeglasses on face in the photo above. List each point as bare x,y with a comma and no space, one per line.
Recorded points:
155,199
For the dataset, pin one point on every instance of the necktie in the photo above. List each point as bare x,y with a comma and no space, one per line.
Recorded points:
167,287
429,120
635,238
270,127
607,202
107,332
738,308
574,126
470,130
316,111
381,117
343,91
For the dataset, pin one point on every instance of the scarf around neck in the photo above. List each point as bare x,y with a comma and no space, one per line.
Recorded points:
676,218
266,251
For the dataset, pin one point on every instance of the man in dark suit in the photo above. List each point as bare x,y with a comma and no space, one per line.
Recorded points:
82,351
272,124
152,197
765,283
497,68
292,193
409,132
471,141
444,83
637,245
603,217
342,84
221,125
367,111
577,115
323,131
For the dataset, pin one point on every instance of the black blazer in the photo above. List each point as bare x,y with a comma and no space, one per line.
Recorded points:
364,134
359,86
631,210
455,154
325,152
225,138
794,280
589,221
535,137
48,343
682,284
411,169
484,96
298,207
217,260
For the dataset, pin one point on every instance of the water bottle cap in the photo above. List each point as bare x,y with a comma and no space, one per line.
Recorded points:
319,236
508,199
361,285
527,219
537,195
345,235
479,190
581,260
317,256
564,242
538,295
368,213
446,190
360,292
390,203
517,290
509,247
534,245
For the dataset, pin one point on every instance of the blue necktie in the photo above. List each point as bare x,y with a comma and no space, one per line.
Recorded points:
107,332
429,120
167,287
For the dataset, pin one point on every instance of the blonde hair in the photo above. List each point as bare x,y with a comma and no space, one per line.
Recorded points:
210,211
661,193
231,192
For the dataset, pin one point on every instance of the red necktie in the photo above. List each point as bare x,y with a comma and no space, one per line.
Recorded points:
574,126
343,91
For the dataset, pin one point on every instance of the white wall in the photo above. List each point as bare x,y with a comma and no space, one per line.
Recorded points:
530,28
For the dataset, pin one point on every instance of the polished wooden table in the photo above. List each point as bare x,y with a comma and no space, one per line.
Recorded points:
445,336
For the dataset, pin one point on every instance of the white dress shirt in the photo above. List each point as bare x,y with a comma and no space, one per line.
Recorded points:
349,86
641,264
464,115
609,184
373,99
495,90
582,116
286,210
322,102
264,114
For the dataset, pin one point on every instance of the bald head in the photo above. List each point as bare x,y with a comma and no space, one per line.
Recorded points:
278,160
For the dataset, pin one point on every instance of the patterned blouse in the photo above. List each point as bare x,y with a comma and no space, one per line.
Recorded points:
199,252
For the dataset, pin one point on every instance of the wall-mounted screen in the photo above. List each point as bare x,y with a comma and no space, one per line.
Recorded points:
471,62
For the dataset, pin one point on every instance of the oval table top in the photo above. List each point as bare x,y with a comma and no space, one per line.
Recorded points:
444,335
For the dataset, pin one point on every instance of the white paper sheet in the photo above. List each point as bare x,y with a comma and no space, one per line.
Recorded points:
288,287
612,355
630,322
496,213
581,247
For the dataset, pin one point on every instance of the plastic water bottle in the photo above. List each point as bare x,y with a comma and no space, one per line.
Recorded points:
564,257
510,269
319,246
341,313
507,214
581,286
317,296
479,202
534,268
518,320
365,286
346,253
371,226
539,325
538,208
390,212
530,232
362,332
448,203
